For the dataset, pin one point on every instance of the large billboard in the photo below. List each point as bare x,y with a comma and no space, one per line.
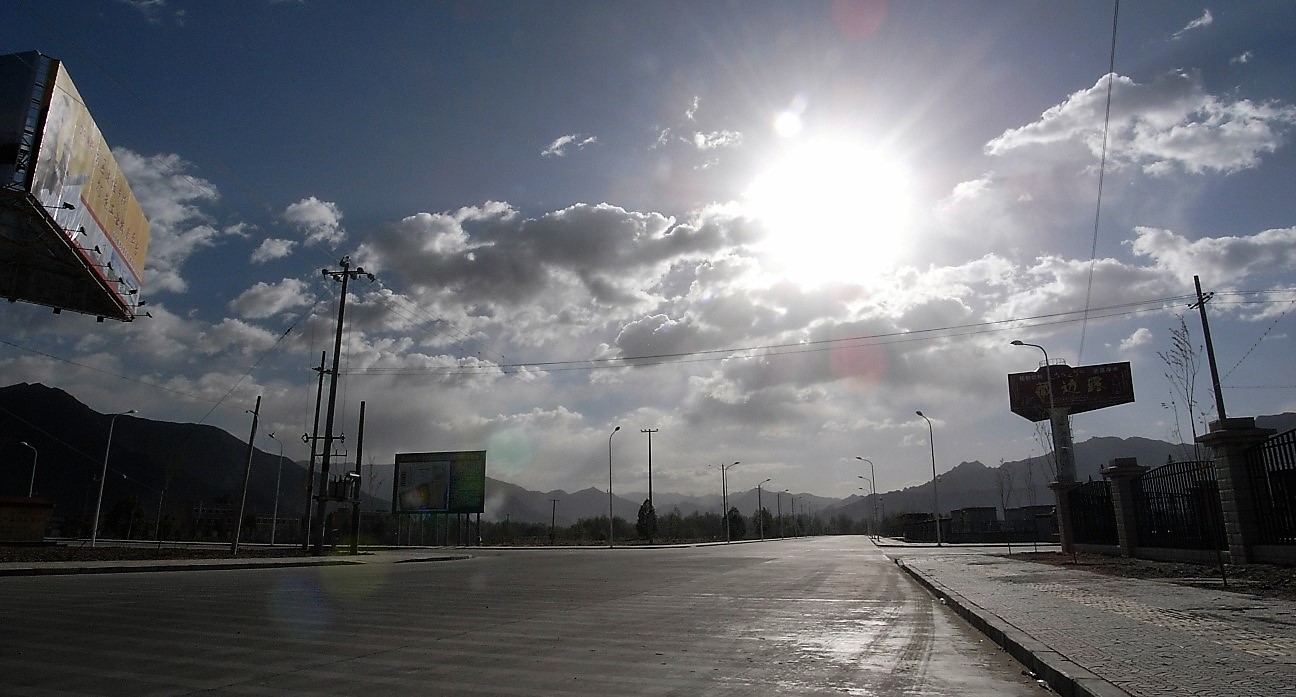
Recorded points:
1079,389
441,482
72,234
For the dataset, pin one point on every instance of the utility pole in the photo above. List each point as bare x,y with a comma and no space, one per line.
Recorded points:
553,518
321,507
650,431
355,501
247,473
313,439
1210,348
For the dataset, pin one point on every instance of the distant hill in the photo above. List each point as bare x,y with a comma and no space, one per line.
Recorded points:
201,463
194,463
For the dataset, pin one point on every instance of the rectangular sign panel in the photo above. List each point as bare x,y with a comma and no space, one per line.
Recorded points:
74,236
441,482
1079,389
75,167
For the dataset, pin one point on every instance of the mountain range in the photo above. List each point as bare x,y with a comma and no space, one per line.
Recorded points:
185,465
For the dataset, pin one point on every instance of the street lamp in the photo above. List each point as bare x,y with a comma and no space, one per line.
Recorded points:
274,520
873,491
760,510
31,485
724,496
931,439
94,531
610,531
1057,421
873,483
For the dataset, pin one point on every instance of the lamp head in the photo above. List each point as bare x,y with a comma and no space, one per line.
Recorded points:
618,428
919,412
1017,342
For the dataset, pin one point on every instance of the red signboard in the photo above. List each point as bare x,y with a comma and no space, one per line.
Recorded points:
1079,389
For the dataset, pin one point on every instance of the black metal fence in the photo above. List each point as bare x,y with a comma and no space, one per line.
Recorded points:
1273,478
1093,516
1178,507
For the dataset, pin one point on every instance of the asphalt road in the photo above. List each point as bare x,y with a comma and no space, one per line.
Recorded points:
821,616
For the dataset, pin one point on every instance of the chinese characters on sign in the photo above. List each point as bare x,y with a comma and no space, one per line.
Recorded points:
1078,389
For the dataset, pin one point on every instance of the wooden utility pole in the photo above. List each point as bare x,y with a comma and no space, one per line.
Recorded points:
649,431
247,473
1210,348
313,439
321,507
355,502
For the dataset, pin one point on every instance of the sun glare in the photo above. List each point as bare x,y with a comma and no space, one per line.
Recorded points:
832,211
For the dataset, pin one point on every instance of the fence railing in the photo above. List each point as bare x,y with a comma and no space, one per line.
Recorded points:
1273,479
1178,506
1093,516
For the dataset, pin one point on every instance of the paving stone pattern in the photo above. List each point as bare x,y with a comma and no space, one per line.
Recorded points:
1146,637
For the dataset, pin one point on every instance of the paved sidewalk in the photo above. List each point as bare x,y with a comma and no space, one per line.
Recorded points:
1089,634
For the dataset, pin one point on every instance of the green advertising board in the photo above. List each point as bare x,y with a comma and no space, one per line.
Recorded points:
440,482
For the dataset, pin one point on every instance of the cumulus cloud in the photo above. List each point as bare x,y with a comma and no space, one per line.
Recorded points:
1203,21
173,200
1141,337
717,139
563,144
272,248
1169,124
267,300
320,221
691,112
1271,252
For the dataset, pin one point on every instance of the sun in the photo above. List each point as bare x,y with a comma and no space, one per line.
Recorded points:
832,210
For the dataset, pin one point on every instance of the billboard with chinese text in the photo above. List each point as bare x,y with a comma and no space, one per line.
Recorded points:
440,482
74,235
1079,389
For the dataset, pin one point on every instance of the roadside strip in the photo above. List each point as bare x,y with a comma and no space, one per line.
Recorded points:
1064,676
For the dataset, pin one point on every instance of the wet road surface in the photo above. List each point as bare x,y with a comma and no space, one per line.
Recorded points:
820,616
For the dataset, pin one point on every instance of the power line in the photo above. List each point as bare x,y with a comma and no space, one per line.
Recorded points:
773,350
1102,170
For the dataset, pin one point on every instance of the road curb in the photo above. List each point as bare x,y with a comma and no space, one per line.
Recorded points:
1066,677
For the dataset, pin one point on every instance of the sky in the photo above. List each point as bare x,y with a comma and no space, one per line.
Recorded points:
771,231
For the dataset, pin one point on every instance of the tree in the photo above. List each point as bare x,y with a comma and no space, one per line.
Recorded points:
1004,478
737,524
646,526
1181,372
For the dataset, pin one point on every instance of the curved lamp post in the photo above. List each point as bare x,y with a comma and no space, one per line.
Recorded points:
610,531
873,483
873,491
31,484
931,439
103,474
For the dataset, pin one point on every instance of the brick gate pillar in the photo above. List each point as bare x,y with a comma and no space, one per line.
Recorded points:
1229,441
1121,473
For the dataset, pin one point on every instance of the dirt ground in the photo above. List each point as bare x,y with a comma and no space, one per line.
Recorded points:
1264,580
